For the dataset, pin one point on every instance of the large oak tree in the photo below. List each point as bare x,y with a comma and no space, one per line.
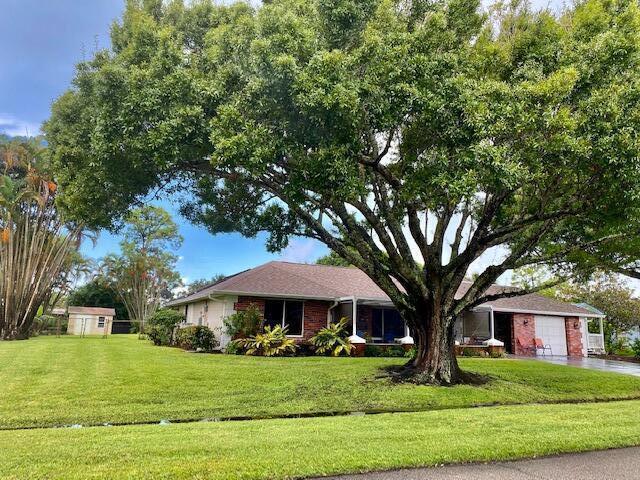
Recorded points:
413,137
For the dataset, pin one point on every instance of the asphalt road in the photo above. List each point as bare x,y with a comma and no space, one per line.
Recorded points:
621,464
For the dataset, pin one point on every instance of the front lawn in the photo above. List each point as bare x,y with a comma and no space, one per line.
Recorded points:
50,381
286,448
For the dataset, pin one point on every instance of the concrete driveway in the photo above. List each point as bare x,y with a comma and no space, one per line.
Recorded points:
622,464
595,364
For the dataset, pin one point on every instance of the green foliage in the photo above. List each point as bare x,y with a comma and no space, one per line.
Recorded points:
333,340
233,348
273,342
162,325
202,283
144,272
613,343
384,351
334,259
48,325
37,244
635,347
199,338
276,117
610,295
98,293
244,323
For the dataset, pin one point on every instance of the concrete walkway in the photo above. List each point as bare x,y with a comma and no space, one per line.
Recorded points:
596,364
622,464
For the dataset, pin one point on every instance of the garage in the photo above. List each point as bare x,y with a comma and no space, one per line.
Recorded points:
552,332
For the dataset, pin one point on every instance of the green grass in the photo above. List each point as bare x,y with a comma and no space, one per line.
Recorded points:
50,381
276,449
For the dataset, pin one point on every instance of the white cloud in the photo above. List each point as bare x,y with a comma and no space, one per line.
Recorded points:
10,125
300,250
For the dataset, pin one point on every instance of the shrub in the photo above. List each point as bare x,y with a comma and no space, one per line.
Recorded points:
199,338
233,348
272,343
47,325
245,323
162,325
614,345
635,346
373,351
411,353
472,352
333,340
384,351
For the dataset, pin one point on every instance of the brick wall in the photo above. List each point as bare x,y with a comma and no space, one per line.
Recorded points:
524,329
315,313
315,317
574,336
243,303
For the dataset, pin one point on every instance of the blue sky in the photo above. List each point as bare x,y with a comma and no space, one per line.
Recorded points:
40,43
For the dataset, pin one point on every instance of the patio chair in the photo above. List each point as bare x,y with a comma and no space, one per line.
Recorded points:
528,347
541,346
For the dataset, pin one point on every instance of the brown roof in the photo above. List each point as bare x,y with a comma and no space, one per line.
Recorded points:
325,282
107,312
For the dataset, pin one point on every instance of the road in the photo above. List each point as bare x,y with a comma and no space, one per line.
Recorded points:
621,464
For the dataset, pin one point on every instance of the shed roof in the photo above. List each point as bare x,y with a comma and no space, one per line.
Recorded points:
107,312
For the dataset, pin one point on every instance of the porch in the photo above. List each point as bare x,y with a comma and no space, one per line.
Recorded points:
378,323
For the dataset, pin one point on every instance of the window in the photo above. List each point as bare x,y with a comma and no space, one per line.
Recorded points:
386,325
100,322
476,327
286,313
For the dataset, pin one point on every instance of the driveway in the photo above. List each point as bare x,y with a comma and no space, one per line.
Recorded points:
622,464
596,364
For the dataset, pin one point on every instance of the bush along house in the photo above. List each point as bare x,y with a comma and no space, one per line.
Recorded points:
306,298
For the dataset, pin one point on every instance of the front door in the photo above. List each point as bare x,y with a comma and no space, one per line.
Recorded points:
502,329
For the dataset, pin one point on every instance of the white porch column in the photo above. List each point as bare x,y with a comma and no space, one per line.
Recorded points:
492,342
407,339
354,338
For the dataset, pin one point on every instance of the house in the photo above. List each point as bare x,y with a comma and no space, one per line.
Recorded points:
306,298
90,320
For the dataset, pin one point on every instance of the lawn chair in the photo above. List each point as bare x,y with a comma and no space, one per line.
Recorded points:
528,347
541,346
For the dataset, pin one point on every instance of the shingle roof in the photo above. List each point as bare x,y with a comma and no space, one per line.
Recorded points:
286,279
107,312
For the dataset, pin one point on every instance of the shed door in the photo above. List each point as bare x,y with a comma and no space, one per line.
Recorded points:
552,332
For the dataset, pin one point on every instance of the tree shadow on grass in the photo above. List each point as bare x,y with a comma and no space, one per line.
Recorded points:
402,374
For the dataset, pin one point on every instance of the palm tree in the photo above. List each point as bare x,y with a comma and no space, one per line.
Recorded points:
35,242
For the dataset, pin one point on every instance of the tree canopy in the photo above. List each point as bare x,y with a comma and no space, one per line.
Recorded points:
332,258
144,273
411,137
98,293
201,283
38,247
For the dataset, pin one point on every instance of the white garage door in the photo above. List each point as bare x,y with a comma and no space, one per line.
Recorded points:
552,332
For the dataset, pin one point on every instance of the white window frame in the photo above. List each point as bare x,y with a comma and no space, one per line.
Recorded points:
284,311
104,320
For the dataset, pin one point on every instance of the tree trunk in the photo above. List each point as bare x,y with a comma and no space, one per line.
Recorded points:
433,332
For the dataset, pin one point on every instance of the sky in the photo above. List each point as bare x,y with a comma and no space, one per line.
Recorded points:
40,43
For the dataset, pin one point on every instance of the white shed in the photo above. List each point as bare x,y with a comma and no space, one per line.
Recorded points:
90,320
